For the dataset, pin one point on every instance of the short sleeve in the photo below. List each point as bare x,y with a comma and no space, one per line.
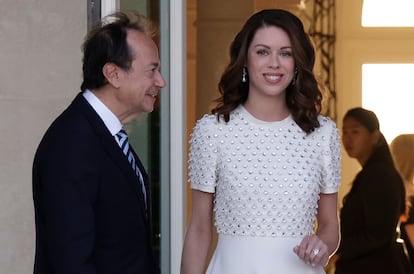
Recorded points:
203,155
331,170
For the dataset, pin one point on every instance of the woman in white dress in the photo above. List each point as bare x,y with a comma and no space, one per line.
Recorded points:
265,165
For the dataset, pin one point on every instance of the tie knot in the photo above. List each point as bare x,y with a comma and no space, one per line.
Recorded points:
122,133
122,137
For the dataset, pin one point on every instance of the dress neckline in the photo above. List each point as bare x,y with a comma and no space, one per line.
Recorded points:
253,119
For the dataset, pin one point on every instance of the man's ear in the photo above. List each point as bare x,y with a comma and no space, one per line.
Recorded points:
112,74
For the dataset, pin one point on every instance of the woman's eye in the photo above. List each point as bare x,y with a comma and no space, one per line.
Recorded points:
286,53
262,52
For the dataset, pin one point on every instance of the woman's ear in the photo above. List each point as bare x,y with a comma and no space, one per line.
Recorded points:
112,73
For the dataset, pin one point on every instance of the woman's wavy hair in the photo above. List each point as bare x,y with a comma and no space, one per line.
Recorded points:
303,98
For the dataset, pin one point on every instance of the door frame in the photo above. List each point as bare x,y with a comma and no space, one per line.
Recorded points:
173,128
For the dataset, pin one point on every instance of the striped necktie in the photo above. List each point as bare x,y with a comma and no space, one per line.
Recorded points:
123,143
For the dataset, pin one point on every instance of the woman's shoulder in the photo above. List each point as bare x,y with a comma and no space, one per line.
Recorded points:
327,127
326,121
379,173
207,119
218,120
208,122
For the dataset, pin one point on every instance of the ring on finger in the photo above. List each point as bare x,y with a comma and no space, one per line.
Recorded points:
315,251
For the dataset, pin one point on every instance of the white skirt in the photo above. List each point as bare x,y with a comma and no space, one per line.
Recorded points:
258,255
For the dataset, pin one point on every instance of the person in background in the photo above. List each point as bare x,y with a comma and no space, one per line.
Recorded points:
372,207
402,150
91,193
265,162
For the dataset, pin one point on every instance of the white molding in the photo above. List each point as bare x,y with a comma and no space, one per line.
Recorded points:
178,155
108,7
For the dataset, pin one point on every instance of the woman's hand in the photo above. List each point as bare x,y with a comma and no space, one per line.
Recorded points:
313,251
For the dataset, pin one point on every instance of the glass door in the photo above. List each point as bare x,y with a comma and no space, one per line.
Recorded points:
145,130
160,137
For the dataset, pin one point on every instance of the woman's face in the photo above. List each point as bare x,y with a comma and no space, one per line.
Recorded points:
270,63
357,140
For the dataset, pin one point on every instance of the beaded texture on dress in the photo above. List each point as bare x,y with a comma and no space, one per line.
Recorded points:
266,176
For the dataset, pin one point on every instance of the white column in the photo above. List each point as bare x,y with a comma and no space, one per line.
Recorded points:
109,6
178,130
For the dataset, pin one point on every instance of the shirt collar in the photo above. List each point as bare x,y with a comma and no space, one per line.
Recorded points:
108,117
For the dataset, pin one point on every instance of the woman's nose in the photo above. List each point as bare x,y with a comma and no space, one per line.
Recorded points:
274,62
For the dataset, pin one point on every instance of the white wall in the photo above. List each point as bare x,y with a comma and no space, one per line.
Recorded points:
40,72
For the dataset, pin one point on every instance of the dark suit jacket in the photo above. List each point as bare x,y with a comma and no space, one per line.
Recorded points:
369,218
89,208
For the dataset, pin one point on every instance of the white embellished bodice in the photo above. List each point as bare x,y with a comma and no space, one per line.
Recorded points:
266,176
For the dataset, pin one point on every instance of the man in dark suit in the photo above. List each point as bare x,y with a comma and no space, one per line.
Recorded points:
91,192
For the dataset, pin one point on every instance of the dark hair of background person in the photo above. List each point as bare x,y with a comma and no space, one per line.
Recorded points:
303,99
369,120
107,43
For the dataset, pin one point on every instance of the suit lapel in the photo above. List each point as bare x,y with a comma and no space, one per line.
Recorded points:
122,162
109,144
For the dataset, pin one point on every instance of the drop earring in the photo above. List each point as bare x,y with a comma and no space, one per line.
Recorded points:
244,75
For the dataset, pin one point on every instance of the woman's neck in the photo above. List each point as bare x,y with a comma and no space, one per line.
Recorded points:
268,111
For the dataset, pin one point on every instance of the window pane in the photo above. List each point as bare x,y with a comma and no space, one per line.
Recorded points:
387,90
385,13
